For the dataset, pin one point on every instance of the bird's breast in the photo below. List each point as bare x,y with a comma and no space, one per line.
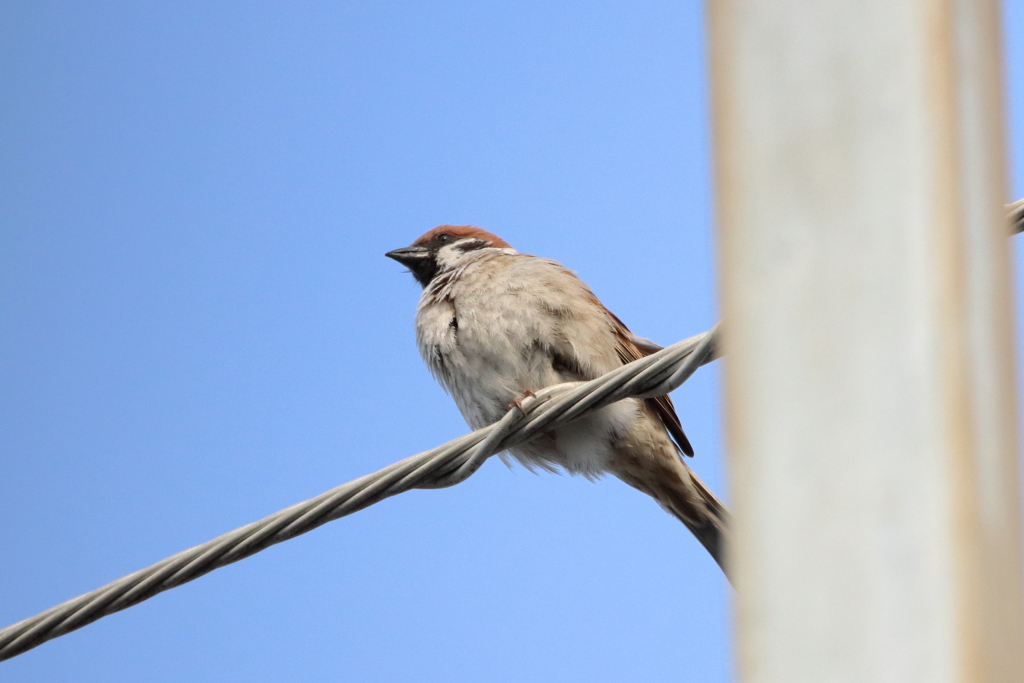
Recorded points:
481,354
490,335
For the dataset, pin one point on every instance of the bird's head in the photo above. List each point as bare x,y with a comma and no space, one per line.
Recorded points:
443,248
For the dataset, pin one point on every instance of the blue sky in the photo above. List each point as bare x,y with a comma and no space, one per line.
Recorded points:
198,327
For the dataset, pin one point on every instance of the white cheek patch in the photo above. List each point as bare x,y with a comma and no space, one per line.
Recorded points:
453,256
449,256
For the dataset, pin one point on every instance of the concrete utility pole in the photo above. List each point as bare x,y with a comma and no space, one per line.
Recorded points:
870,372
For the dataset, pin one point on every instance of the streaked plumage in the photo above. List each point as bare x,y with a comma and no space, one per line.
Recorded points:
494,324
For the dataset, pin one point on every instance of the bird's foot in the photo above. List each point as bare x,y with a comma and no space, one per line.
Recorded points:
518,402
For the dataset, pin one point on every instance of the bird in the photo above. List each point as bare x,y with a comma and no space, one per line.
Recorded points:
494,326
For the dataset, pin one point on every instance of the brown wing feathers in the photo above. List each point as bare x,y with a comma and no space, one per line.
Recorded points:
630,351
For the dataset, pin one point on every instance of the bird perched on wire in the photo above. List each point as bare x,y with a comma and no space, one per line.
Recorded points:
494,325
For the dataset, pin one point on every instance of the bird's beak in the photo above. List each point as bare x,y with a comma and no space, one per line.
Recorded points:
410,257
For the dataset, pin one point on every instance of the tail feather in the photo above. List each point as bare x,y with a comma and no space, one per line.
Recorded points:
667,479
712,529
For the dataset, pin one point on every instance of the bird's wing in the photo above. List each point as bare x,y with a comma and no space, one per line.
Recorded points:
645,345
573,347
631,348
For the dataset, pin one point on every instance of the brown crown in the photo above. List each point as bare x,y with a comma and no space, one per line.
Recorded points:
460,231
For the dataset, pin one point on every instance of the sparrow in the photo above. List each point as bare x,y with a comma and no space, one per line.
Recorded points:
494,326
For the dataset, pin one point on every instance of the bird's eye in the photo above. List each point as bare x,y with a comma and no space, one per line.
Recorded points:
444,238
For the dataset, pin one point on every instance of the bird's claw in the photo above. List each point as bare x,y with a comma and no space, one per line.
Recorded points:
518,401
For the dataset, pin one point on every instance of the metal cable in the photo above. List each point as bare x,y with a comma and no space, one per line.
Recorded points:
443,466
1015,214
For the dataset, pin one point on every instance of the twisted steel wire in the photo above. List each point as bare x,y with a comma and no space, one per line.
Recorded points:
1015,214
443,466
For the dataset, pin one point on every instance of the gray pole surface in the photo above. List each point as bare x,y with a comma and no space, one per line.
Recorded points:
870,372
